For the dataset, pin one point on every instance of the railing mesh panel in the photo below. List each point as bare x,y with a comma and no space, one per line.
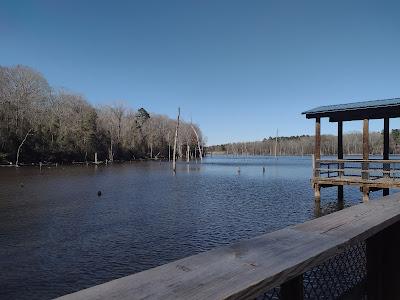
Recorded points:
273,294
340,276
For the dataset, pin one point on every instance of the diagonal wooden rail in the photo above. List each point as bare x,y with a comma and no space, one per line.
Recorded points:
248,268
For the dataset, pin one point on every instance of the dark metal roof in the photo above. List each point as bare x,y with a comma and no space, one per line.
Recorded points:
376,109
353,106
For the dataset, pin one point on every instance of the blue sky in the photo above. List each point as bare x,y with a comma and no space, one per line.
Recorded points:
240,69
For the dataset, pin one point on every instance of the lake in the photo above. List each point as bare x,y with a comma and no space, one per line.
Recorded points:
58,236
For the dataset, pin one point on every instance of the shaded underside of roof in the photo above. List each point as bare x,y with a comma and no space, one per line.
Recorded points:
375,109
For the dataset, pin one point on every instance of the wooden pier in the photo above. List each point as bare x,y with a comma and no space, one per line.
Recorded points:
369,174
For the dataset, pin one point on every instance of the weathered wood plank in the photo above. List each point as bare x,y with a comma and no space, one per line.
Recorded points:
340,156
386,142
317,146
245,269
357,180
394,161
326,170
365,165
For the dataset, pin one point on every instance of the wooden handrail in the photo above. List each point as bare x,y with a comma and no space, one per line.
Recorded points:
359,170
247,268
393,161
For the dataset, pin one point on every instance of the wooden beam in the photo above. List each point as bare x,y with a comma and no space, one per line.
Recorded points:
365,139
386,167
383,264
246,269
365,165
360,114
386,138
340,140
340,156
317,149
393,161
293,289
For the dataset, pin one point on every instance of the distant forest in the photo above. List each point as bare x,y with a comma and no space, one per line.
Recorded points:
304,145
41,124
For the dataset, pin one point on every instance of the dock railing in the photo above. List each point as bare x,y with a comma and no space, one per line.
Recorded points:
365,169
352,253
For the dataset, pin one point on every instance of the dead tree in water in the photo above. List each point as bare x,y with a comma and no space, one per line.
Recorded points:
175,141
20,146
169,148
198,142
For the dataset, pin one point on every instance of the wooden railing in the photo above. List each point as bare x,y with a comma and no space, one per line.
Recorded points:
247,269
366,169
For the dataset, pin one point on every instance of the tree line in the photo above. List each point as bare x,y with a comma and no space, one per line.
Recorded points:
304,145
41,124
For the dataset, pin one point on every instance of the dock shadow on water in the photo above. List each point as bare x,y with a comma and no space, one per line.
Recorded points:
67,228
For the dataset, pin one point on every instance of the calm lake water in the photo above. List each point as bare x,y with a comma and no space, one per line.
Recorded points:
58,236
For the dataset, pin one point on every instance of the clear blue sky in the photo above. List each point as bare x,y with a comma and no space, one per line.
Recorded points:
240,69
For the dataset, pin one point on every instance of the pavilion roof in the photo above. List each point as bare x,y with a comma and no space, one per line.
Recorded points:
375,109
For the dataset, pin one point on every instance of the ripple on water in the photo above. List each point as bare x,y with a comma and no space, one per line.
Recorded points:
57,236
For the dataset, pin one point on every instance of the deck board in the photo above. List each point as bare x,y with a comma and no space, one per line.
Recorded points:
357,180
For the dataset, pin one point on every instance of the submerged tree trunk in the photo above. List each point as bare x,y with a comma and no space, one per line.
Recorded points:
187,152
175,141
111,154
151,150
198,143
20,146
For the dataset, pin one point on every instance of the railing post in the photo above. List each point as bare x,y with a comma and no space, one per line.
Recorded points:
383,264
317,149
365,164
386,141
340,156
293,289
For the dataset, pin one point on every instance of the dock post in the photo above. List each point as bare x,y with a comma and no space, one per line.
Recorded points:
365,164
293,289
340,156
317,192
316,159
365,191
317,150
340,193
383,264
386,166
317,209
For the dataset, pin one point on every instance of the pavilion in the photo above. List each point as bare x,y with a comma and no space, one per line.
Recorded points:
368,174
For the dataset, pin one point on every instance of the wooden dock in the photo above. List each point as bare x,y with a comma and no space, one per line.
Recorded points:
249,268
370,175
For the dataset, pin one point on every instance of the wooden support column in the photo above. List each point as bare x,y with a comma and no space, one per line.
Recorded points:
293,289
365,165
317,157
386,167
383,264
340,156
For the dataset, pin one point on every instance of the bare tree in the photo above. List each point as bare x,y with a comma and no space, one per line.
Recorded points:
20,146
175,141
64,126
198,142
